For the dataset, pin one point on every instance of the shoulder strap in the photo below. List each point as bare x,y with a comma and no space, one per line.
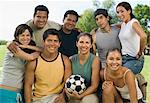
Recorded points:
125,75
63,60
104,74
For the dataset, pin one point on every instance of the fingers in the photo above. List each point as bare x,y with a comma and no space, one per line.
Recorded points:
107,84
13,47
59,99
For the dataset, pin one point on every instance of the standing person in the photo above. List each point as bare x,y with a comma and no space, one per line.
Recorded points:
14,65
39,24
48,72
120,85
87,65
106,36
132,38
69,33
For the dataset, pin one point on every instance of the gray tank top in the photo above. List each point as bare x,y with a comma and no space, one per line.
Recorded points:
106,41
13,71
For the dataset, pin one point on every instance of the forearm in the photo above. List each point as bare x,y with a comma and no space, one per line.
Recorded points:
34,48
89,90
31,47
143,42
28,94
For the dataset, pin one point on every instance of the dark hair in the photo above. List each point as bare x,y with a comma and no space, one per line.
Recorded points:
101,11
127,6
20,29
71,12
85,34
51,32
41,8
114,49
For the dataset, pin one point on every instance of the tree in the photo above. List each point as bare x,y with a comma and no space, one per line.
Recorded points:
109,6
87,22
142,13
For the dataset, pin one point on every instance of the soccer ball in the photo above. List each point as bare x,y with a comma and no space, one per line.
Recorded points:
75,83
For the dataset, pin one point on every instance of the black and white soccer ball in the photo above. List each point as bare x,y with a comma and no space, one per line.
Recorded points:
75,83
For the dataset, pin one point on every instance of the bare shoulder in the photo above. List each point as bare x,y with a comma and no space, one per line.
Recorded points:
96,59
32,64
65,57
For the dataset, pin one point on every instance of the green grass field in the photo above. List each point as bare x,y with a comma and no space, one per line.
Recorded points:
2,53
145,71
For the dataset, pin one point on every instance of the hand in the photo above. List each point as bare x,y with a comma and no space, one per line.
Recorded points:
107,84
139,55
13,47
73,95
60,99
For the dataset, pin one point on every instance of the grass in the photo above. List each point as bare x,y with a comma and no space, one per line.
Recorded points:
2,53
145,71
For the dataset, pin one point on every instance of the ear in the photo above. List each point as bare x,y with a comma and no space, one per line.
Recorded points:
129,11
59,44
108,18
17,38
43,42
76,43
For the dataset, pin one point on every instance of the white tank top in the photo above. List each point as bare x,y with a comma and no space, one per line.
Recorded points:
129,39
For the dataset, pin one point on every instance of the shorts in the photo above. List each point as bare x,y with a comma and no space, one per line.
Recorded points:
8,96
132,63
128,101
46,99
91,98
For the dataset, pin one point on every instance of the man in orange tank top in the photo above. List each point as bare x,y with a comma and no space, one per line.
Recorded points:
48,72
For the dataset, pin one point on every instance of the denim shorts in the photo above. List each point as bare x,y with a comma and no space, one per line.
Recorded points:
132,63
8,96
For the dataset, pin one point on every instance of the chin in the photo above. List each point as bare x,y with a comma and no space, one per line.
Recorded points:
114,69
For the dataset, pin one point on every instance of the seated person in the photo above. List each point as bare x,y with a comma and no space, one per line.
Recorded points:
87,65
120,84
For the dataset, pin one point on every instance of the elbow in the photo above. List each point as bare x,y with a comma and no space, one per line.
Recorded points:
95,87
144,37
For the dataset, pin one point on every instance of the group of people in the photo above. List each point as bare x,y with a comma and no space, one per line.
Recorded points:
44,54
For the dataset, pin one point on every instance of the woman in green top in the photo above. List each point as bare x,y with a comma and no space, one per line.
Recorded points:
87,65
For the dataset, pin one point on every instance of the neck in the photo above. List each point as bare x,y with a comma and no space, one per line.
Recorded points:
83,58
49,56
107,29
128,19
114,73
66,30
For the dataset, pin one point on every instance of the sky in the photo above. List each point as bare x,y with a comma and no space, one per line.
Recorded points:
15,12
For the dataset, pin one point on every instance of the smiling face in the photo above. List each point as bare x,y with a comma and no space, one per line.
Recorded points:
84,44
70,22
51,43
114,60
25,37
40,19
123,14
